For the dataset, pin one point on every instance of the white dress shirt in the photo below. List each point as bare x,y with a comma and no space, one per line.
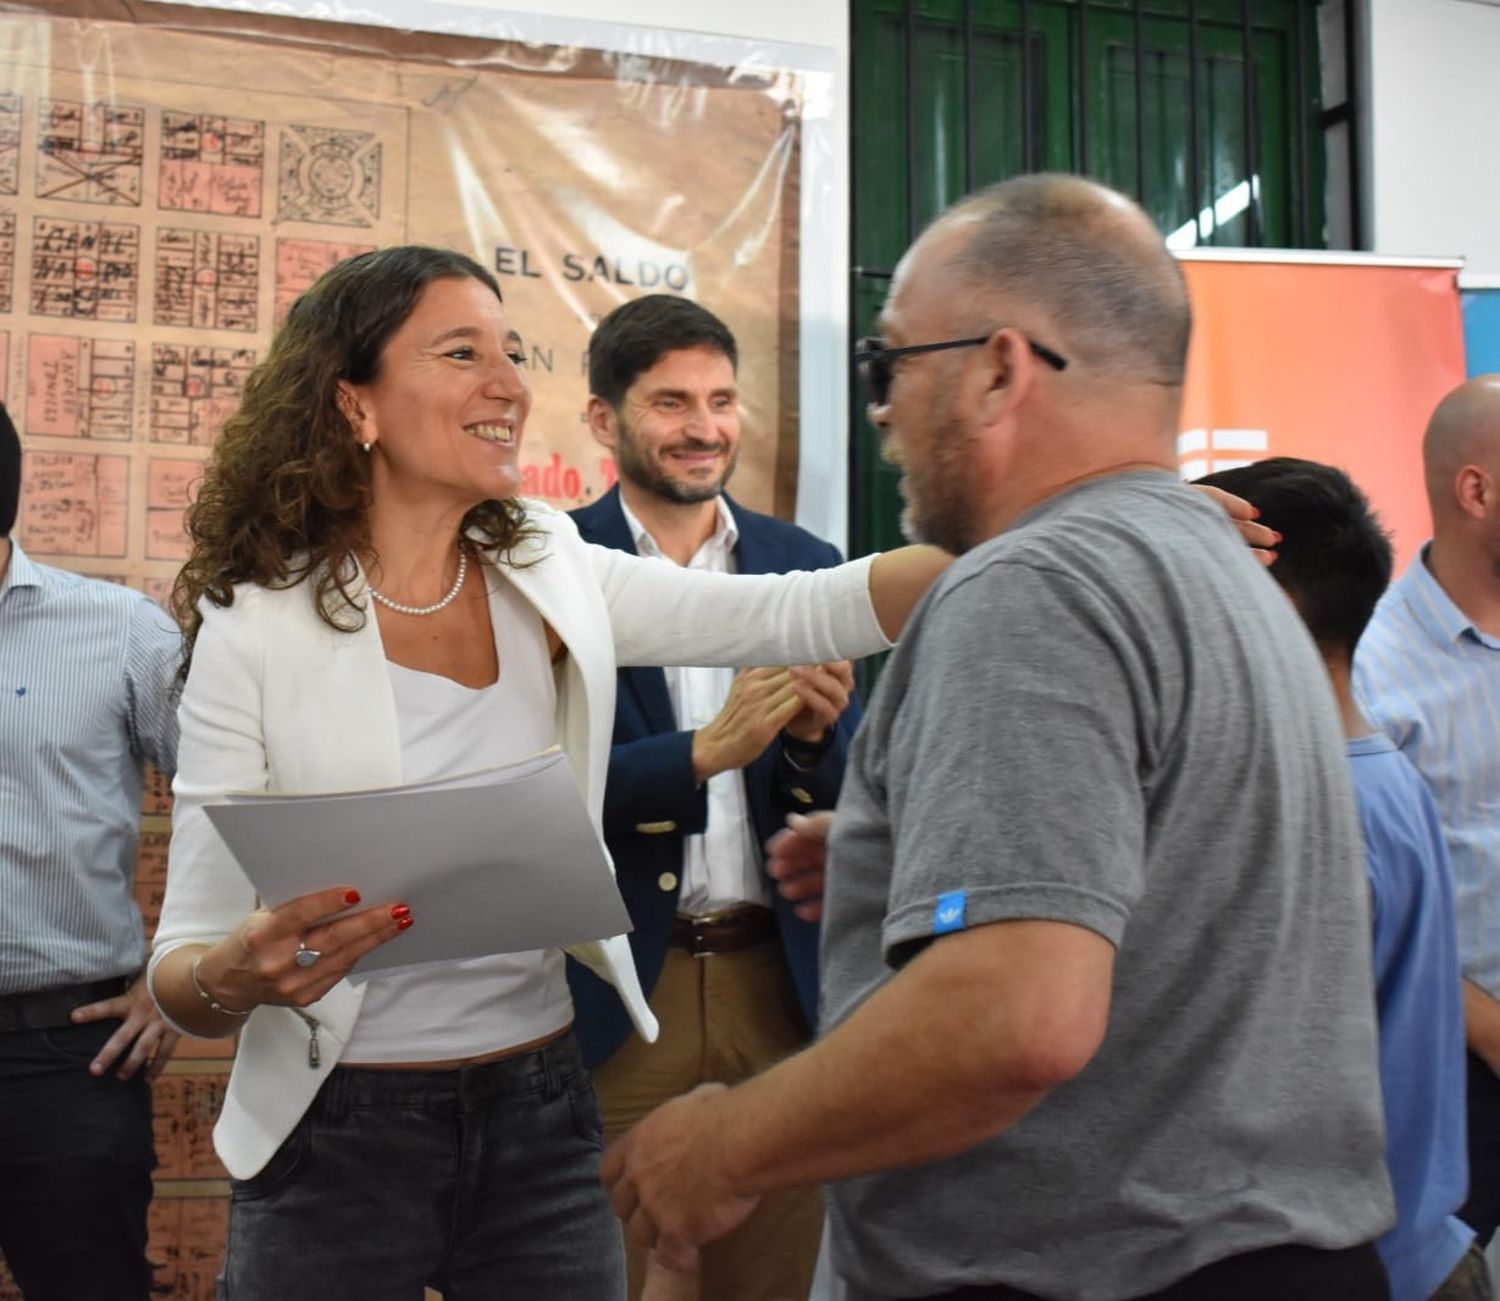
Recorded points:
721,867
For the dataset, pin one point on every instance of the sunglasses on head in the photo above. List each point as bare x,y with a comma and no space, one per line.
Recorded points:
875,360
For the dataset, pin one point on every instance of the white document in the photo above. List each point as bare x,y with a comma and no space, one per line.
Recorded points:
498,861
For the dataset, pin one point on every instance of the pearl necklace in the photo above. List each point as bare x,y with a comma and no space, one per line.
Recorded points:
463,568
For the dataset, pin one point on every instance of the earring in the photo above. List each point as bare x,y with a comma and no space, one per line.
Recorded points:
367,445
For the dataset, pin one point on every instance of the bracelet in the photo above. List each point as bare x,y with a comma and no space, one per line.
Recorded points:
209,998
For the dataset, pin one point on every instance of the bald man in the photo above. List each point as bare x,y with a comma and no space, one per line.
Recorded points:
1097,1014
1427,673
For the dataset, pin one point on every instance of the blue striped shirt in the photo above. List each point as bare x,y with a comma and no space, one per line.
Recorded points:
1430,680
87,692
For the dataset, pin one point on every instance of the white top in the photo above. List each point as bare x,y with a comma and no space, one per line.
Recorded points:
722,866
479,1005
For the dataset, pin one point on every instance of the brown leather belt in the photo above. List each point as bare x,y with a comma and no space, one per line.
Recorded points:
724,932
48,1009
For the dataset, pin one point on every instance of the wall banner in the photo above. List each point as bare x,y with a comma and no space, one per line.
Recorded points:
172,178
1332,357
154,230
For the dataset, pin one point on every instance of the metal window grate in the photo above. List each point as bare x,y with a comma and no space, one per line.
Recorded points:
1208,112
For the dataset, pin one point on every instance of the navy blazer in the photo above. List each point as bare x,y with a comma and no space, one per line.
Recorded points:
651,800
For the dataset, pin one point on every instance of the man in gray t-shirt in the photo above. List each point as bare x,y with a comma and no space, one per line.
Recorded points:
1097,1011
1107,716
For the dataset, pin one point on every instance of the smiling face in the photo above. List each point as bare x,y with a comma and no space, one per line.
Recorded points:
448,403
676,432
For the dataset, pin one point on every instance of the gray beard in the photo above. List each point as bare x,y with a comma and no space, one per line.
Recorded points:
941,516
942,523
947,535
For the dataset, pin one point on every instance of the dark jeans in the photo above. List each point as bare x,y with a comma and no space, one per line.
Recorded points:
1482,1211
1275,1274
76,1156
481,1182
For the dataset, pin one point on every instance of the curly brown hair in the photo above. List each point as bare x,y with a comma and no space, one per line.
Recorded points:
286,493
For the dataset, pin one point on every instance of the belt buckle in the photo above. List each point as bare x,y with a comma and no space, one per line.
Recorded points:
700,928
698,935
698,931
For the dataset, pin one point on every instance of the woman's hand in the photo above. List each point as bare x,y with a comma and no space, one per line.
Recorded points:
258,961
1243,515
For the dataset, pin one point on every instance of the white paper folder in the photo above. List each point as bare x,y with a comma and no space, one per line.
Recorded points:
498,861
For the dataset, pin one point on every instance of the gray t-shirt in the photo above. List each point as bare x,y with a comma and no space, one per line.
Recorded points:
1110,716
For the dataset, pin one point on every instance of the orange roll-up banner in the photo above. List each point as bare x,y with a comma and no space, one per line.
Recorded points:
1337,362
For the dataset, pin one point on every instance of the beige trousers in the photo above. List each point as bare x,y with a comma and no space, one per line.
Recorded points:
723,1018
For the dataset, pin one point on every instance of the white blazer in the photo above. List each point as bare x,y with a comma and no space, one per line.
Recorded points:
278,700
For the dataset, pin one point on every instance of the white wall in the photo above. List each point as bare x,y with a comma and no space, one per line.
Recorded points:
1434,129
806,22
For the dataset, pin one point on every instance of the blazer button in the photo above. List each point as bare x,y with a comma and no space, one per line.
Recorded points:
800,795
667,881
656,828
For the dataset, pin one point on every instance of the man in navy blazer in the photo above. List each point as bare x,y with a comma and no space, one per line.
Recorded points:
705,767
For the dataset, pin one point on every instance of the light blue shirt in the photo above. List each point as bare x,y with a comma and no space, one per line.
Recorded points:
87,692
1420,1006
1430,680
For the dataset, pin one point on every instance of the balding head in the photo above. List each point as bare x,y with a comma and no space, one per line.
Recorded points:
1078,256
1037,334
1464,431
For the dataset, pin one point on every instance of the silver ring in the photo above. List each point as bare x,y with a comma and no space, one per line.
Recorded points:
304,956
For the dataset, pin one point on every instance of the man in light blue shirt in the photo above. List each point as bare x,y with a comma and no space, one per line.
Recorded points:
87,694
1427,673
1334,561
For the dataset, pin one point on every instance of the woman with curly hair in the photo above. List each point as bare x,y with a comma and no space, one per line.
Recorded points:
369,603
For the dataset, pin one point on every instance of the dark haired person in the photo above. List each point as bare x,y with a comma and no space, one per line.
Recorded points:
1091,1024
1334,561
1427,674
368,602
88,676
704,769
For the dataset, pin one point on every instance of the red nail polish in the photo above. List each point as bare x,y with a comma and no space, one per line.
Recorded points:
400,911
404,923
351,896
